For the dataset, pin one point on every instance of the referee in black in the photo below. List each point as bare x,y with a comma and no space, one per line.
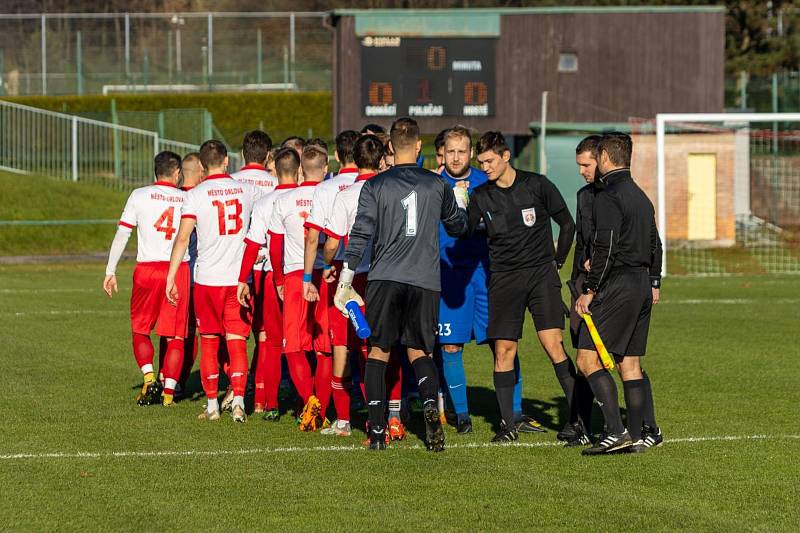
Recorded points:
516,208
399,211
621,286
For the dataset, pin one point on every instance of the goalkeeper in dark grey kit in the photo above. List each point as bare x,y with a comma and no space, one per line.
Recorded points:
399,210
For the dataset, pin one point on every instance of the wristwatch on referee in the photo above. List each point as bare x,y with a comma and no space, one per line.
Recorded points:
588,290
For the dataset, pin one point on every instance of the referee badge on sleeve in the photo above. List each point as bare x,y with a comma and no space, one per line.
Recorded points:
529,216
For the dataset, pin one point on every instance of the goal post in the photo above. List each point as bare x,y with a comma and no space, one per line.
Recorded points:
749,156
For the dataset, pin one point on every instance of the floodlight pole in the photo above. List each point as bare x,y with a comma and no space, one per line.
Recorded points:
543,136
44,56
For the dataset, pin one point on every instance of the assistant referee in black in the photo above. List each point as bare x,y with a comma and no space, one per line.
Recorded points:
516,208
621,287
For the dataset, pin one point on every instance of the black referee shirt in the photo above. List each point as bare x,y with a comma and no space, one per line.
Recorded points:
399,211
625,229
517,221
584,228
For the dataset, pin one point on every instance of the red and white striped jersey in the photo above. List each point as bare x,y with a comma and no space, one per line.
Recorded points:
256,175
155,212
343,215
288,219
259,223
222,207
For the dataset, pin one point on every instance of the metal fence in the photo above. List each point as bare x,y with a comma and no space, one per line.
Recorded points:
93,53
69,147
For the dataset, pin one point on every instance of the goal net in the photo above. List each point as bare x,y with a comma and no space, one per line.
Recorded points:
726,188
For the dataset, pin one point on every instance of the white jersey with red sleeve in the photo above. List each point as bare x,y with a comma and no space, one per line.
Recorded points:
343,216
258,176
260,219
221,207
288,219
324,196
155,212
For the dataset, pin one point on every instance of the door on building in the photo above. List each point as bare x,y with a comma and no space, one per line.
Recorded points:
702,188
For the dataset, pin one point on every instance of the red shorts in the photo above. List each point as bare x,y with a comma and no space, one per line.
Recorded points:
341,332
149,304
218,311
321,326
298,315
272,311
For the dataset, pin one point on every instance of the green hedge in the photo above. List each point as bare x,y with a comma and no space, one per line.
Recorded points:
283,114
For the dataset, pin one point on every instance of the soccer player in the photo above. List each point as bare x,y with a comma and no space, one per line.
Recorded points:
287,249
438,145
153,211
625,275
219,208
256,146
516,208
192,174
373,129
367,154
399,211
321,211
268,367
297,144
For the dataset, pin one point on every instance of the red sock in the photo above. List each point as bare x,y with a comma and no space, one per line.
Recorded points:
394,379
300,371
237,352
260,370
143,352
173,361
209,365
272,376
225,359
322,380
341,397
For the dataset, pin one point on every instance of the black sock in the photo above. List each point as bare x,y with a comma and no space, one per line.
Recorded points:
634,402
565,372
427,378
605,390
375,389
504,387
649,411
584,398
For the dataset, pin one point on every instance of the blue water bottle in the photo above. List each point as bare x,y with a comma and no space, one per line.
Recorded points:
357,319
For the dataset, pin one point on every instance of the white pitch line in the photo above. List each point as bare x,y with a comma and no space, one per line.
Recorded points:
730,301
351,448
35,291
57,312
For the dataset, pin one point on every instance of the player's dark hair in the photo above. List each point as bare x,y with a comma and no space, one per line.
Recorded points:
438,142
374,128
492,141
256,146
384,138
319,143
404,133
458,131
212,154
618,146
313,160
165,163
368,152
287,162
345,142
295,143
589,144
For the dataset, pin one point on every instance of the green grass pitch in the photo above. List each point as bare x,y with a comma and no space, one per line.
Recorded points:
76,453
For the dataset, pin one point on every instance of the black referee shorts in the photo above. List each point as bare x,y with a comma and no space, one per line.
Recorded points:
537,289
621,312
398,311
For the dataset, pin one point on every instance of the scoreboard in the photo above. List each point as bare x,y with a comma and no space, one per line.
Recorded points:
427,77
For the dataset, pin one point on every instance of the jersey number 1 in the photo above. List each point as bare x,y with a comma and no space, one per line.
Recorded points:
223,217
164,223
410,206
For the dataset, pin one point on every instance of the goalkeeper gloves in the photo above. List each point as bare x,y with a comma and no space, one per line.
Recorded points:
345,291
462,196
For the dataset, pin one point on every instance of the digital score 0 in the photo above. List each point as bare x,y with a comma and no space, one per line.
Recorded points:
424,77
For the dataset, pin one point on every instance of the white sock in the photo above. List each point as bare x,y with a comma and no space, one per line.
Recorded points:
147,369
213,405
238,400
170,383
342,423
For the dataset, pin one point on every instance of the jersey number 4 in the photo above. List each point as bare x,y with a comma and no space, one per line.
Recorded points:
224,216
410,206
164,223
